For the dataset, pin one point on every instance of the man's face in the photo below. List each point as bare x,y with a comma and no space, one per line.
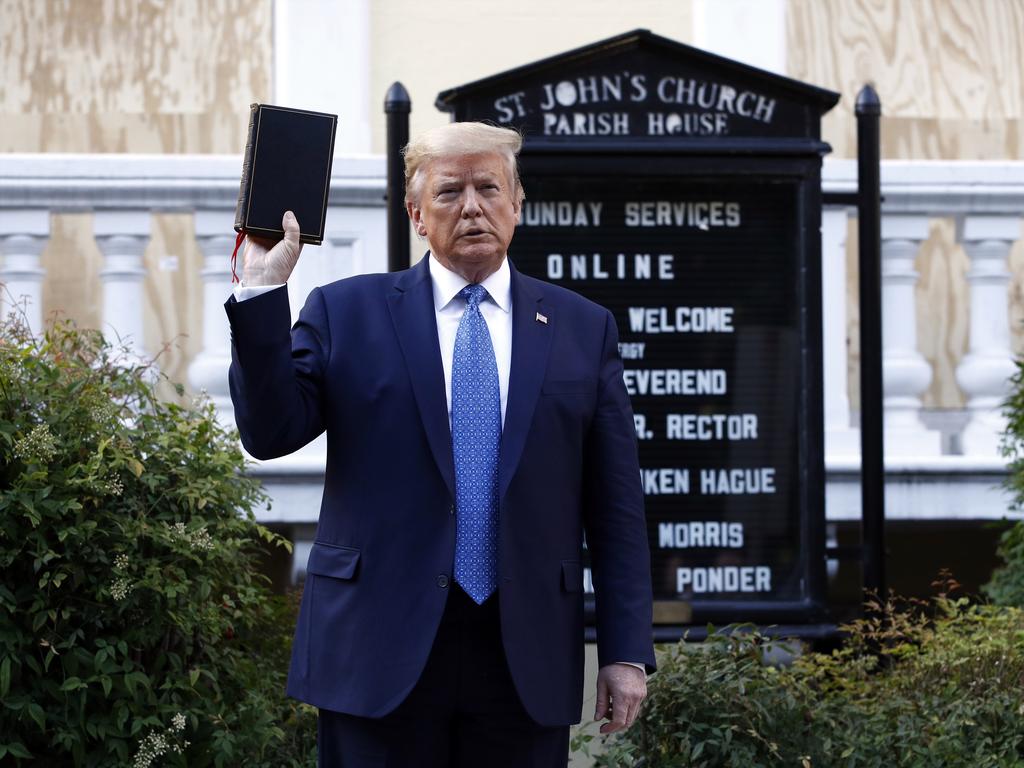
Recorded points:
467,209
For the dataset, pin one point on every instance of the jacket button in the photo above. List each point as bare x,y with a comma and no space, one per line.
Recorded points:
442,581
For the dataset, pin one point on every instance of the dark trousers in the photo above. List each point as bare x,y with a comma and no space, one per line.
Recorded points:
463,713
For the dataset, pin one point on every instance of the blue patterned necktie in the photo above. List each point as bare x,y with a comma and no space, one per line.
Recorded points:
476,432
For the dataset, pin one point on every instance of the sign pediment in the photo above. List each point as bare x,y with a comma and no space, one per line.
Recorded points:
641,86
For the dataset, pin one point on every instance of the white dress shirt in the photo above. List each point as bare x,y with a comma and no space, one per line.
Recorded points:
496,310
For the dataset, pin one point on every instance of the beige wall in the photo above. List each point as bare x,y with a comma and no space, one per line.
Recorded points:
431,45
951,83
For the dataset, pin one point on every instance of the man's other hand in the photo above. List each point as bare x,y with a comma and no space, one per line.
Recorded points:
266,262
621,689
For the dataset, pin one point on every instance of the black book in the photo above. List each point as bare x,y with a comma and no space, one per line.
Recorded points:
286,167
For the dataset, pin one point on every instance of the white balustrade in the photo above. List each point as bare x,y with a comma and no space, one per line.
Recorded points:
841,439
984,372
23,237
122,237
123,192
905,372
209,370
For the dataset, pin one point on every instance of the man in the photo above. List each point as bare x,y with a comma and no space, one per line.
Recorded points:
477,424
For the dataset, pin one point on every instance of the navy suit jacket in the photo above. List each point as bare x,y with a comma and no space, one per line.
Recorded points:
364,364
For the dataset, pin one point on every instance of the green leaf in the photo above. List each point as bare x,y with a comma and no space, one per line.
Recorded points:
18,750
72,684
193,677
5,676
36,713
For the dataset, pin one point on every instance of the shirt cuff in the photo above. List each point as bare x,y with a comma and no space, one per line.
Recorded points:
641,667
243,292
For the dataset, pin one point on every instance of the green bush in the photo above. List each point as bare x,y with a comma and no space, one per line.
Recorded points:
1007,584
135,628
922,686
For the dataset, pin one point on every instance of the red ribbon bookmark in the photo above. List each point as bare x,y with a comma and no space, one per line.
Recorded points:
234,256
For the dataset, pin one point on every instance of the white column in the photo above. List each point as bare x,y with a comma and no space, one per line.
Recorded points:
984,372
23,236
751,31
905,372
841,440
322,62
122,236
209,370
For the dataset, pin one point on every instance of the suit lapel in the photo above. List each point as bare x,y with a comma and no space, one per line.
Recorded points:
412,311
531,341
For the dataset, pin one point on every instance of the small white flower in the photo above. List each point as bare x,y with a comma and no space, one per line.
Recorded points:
120,588
37,445
113,486
199,539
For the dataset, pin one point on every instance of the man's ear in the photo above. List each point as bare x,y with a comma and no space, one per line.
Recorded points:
416,218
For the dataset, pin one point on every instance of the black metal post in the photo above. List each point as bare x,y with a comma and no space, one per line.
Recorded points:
397,107
869,223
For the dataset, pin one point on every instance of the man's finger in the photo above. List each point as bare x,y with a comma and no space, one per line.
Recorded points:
620,711
634,710
601,708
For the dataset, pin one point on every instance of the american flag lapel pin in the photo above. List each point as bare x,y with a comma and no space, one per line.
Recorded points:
542,318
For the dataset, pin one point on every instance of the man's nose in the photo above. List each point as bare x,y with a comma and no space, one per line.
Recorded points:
470,204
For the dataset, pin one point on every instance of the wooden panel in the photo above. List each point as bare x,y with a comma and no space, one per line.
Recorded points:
132,58
942,317
947,71
119,132
72,261
173,295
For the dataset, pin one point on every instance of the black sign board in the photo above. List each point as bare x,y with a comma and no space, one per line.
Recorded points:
683,192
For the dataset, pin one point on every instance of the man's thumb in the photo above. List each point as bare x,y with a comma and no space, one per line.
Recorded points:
291,228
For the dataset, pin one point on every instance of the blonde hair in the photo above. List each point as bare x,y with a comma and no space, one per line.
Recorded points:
458,139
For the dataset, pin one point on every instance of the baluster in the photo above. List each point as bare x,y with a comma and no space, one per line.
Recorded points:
984,372
840,439
209,370
906,374
24,236
122,236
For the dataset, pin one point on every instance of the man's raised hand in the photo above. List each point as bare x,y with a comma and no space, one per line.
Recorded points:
266,262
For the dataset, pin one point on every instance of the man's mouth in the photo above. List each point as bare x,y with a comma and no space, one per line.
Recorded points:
473,233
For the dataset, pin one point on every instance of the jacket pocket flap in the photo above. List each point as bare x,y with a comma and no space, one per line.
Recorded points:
332,560
568,387
572,576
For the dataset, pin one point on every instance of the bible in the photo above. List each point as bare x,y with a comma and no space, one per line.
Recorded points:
286,166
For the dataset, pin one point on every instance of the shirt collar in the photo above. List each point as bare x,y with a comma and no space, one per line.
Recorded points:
447,284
